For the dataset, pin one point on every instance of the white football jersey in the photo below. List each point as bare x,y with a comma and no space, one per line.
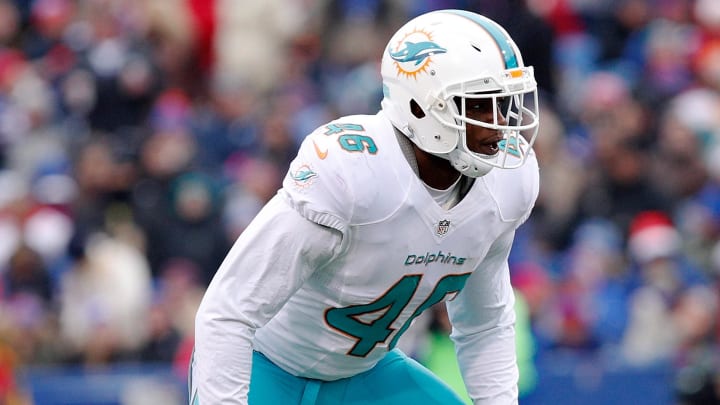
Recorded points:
399,253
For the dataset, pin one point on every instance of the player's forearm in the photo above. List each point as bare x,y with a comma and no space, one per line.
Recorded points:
222,359
486,350
489,366
483,320
266,265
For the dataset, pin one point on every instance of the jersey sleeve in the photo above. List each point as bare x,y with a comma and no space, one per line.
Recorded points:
483,319
270,260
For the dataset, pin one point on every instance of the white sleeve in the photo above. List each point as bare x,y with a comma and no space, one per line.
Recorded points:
483,329
270,260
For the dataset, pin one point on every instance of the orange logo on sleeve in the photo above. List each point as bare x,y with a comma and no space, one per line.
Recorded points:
321,152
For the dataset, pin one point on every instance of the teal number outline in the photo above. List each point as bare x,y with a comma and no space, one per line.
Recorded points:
357,143
351,142
455,282
392,302
368,335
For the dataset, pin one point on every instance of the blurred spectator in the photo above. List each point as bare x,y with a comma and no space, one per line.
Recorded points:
165,156
163,339
105,301
103,184
180,32
705,59
226,123
10,391
532,34
617,186
656,328
698,379
687,141
252,36
191,229
667,55
584,308
27,274
256,180
563,179
9,23
49,20
172,318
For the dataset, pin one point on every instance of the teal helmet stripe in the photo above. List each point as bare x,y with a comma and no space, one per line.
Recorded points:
501,38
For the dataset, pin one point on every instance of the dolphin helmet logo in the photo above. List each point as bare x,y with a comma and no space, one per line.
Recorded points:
414,53
417,52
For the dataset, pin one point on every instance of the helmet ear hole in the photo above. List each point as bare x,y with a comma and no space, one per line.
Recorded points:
416,110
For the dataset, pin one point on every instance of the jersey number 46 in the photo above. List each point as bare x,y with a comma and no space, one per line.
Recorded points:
370,324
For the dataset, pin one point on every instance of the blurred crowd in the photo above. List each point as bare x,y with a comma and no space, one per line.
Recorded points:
139,137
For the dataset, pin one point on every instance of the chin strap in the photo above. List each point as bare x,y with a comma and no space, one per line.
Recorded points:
467,165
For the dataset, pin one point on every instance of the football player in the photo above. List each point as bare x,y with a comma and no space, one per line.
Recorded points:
379,218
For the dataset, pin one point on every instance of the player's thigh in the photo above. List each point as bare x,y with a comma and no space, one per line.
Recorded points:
398,379
269,384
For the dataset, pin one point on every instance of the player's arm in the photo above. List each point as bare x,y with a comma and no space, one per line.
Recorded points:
483,330
270,260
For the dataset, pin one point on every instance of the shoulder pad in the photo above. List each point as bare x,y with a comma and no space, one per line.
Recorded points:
515,190
344,170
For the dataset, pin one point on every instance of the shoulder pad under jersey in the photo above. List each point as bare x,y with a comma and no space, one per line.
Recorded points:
515,190
346,172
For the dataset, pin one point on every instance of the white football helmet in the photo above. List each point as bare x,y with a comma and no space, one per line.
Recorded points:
438,60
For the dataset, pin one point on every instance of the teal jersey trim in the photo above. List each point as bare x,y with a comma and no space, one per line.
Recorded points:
502,40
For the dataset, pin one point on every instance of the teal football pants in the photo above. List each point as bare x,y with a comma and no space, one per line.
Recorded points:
396,379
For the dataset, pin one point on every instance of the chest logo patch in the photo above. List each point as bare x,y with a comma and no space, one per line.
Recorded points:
443,227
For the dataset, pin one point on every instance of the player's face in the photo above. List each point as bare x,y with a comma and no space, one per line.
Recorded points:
480,139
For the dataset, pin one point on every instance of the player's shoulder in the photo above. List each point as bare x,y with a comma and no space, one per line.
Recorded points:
347,166
349,139
359,146
515,190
